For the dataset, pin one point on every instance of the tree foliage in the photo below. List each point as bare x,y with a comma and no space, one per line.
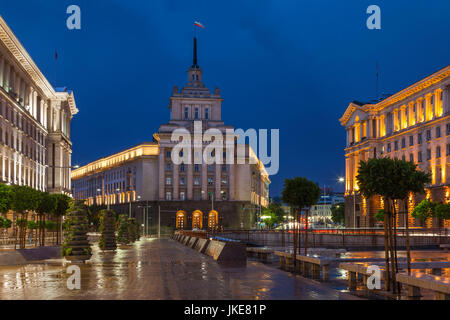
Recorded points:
300,192
442,210
379,216
46,203
338,213
63,203
24,199
274,213
5,223
390,178
5,198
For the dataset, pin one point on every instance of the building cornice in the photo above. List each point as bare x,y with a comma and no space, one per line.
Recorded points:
145,149
414,88
397,97
21,55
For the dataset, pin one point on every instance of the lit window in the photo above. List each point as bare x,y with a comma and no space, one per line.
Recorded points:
168,195
182,196
168,181
196,181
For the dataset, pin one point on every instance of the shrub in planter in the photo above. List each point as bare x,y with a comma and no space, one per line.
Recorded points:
107,229
123,233
133,230
76,246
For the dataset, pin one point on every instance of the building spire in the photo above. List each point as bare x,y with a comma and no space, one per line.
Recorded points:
195,53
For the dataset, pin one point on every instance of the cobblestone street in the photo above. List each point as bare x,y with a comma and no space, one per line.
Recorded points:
158,269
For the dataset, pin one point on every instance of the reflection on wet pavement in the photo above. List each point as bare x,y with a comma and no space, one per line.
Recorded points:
158,269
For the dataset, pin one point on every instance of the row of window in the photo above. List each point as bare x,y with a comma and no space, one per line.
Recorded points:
34,152
197,196
419,139
224,181
428,154
182,167
197,115
7,112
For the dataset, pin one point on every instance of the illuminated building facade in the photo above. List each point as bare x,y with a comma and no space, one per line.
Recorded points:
411,125
35,146
193,196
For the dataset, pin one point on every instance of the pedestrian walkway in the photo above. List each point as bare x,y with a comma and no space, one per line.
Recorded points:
155,270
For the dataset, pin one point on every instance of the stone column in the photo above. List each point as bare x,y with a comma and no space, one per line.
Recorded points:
218,180
445,100
2,70
204,181
190,181
355,169
231,168
176,183
162,169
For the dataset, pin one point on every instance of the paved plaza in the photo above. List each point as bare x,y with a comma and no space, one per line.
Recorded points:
159,269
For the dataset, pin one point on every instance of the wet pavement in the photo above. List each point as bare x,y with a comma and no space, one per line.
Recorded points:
159,270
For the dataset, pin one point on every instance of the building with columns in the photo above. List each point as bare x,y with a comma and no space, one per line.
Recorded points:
191,194
412,125
35,146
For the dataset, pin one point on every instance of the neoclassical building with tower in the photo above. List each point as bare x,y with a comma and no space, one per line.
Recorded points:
186,195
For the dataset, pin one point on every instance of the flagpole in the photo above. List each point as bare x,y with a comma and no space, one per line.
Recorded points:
56,59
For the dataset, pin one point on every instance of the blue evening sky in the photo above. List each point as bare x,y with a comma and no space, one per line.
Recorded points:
293,65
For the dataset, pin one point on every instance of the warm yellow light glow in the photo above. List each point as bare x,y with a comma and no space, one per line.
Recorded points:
116,159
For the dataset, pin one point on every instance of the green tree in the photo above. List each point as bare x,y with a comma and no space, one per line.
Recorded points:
274,214
442,211
5,198
24,200
424,210
300,193
393,180
338,213
63,203
379,216
46,205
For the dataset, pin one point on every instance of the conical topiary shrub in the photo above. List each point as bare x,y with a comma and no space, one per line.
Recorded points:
133,230
123,234
76,246
107,229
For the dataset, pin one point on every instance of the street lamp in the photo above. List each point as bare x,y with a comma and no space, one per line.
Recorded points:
98,191
145,216
342,179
